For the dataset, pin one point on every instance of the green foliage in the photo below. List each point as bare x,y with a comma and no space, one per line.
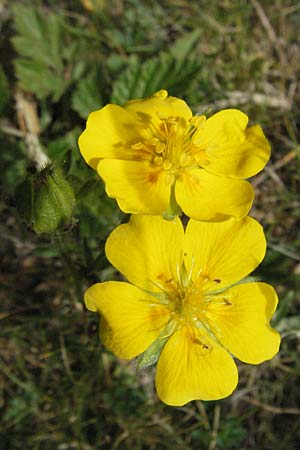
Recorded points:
4,92
232,433
59,388
49,57
138,27
97,213
13,164
87,94
174,71
23,404
40,42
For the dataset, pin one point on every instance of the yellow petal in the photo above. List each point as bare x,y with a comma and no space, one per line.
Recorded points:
132,320
241,322
138,187
147,250
208,197
106,334
109,133
231,148
193,367
223,253
152,108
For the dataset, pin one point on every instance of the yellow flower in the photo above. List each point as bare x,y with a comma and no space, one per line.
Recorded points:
154,155
185,298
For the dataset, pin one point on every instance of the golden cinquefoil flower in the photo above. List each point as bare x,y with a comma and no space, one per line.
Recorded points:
186,299
154,155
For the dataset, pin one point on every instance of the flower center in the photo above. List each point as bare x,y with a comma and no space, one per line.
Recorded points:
186,306
190,301
168,143
182,296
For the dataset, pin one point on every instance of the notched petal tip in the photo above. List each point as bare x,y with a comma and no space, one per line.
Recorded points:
162,93
189,370
244,328
109,133
232,147
90,297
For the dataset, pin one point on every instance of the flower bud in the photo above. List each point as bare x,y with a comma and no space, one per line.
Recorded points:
46,200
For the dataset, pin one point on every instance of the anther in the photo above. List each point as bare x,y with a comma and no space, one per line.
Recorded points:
185,160
172,119
161,116
197,121
158,160
167,165
159,147
207,347
137,145
169,179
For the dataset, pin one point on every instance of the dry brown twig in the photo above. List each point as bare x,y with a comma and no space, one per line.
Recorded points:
232,98
30,127
271,408
215,428
273,38
286,159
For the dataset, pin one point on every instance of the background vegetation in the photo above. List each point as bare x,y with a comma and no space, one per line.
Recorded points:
59,388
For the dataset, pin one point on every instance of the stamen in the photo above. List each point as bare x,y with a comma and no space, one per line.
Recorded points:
190,274
159,286
167,165
153,141
158,160
185,160
197,121
137,146
161,116
160,147
178,273
169,179
214,300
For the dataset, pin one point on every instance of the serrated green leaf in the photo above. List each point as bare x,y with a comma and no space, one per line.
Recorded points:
163,72
185,45
87,95
39,36
35,77
39,41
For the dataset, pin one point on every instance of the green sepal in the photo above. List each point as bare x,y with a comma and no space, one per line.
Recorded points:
249,279
173,209
151,355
